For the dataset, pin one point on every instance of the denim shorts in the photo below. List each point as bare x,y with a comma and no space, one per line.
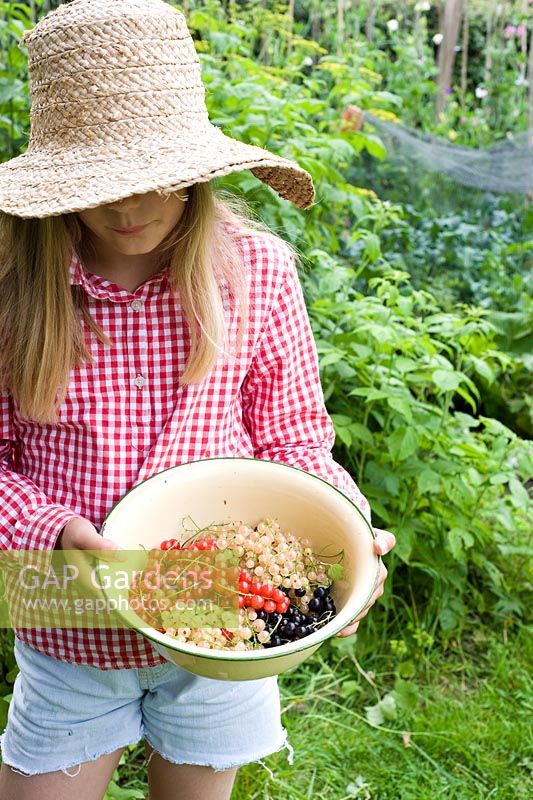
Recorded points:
64,714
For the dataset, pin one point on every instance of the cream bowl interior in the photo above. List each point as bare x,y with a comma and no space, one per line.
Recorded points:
226,489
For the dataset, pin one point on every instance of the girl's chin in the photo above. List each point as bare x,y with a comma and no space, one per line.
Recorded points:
136,245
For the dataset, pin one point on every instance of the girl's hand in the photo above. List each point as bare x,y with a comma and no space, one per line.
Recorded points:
383,543
80,534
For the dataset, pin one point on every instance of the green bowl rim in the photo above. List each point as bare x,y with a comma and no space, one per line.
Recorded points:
225,658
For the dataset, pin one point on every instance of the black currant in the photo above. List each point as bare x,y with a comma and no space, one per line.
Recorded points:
315,604
288,627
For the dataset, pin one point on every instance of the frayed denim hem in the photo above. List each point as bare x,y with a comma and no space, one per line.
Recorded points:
285,744
65,768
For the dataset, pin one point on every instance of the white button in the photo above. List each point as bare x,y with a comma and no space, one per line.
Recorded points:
136,305
140,382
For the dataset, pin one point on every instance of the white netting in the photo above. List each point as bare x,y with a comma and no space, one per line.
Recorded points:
505,167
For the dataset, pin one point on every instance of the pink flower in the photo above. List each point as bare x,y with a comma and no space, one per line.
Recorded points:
521,31
509,31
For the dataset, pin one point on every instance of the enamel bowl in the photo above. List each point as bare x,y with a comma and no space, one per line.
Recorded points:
226,489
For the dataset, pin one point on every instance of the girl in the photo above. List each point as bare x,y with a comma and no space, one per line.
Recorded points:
145,322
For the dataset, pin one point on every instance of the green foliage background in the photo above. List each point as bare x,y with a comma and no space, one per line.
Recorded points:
419,293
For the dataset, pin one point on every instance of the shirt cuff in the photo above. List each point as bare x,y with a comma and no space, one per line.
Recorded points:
42,527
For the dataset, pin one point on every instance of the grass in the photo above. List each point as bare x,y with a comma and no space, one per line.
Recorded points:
454,724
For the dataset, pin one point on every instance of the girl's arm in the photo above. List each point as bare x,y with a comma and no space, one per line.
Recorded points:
283,402
28,519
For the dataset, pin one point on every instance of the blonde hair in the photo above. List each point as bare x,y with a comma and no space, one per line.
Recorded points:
40,326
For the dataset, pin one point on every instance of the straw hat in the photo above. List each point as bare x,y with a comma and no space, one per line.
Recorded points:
118,108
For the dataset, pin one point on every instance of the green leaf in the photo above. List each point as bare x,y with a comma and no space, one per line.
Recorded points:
406,669
483,369
330,358
369,392
402,443
428,481
383,711
116,792
344,435
375,148
446,380
10,91
12,674
519,495
448,620
405,540
4,707
343,645
372,247
335,572
360,432
406,694
349,688
400,404
458,541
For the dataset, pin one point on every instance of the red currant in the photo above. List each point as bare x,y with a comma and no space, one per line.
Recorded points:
244,587
257,602
165,545
242,600
255,588
278,595
266,590
244,575
269,606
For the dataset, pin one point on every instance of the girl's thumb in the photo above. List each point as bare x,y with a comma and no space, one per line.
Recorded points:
112,550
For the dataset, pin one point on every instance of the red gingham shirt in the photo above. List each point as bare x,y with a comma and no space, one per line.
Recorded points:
126,418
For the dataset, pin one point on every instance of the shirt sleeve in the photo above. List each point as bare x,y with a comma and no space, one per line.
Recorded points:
283,403
28,519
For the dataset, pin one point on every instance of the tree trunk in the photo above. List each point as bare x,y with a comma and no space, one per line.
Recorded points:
315,21
371,19
464,54
530,88
488,46
340,26
530,93
417,34
450,31
290,16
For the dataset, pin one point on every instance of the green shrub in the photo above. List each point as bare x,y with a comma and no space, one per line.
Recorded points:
400,378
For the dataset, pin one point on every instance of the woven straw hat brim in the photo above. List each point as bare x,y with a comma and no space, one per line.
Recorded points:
48,184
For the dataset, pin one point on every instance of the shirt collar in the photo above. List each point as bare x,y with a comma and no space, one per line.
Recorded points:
103,289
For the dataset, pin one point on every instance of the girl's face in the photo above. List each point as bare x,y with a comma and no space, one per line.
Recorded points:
135,225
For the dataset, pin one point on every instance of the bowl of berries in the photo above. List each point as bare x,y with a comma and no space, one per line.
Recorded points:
293,554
